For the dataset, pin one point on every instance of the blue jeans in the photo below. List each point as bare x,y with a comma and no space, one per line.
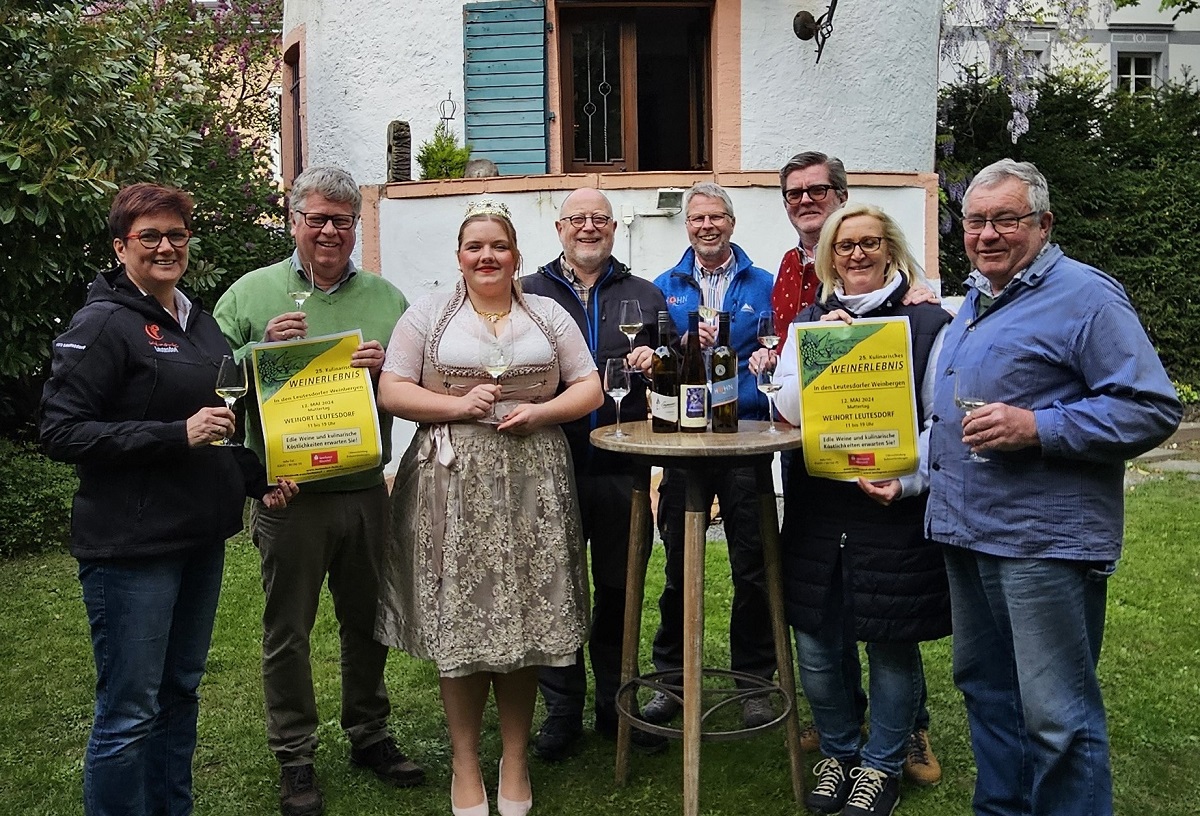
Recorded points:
897,690
1027,635
151,622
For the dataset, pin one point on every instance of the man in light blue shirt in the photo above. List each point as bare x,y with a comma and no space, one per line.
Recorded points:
1072,388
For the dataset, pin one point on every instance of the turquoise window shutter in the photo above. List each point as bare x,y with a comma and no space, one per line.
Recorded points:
505,67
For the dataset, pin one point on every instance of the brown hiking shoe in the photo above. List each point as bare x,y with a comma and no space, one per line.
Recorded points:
389,763
921,767
298,791
810,740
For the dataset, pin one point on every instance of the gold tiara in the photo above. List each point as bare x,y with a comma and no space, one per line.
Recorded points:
487,206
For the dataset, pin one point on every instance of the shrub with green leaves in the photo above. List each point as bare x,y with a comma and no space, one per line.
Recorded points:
1124,175
35,501
442,157
96,96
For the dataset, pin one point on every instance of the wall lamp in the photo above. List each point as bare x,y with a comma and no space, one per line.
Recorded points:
808,27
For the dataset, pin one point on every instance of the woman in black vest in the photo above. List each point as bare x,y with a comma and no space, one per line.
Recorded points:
857,566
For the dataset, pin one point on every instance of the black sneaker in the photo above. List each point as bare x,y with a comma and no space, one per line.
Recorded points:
661,709
389,763
298,791
757,712
874,793
642,741
832,790
558,738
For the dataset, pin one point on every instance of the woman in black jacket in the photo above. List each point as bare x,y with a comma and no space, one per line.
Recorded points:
131,402
857,566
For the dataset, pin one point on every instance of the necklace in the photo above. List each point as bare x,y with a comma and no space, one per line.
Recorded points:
491,317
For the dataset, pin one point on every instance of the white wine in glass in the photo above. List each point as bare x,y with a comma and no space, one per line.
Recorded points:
302,287
768,338
768,386
968,397
616,385
231,386
495,357
629,320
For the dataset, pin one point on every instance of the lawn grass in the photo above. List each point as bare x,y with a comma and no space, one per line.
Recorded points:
1150,670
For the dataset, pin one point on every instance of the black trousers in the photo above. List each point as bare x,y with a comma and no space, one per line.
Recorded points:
605,487
751,647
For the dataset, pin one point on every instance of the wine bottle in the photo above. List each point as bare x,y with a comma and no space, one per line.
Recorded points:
664,390
693,382
724,380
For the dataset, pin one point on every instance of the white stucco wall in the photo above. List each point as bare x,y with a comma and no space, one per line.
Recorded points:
871,100
367,64
417,236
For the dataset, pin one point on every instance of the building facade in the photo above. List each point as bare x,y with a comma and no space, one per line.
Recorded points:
632,97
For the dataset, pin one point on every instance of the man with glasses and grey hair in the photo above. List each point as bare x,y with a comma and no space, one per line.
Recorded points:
716,273
591,284
1070,388
337,532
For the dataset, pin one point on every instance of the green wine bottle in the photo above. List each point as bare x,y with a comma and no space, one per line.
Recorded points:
664,389
724,380
693,382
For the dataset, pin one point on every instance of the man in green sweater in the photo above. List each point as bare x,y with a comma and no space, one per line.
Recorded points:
338,528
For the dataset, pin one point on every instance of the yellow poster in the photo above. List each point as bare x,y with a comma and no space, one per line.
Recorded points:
318,412
858,405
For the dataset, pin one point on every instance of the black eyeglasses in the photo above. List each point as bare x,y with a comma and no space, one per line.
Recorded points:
1005,224
817,193
599,220
868,245
717,220
151,238
319,220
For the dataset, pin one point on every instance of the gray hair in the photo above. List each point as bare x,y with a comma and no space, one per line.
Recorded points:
329,181
997,172
811,158
709,190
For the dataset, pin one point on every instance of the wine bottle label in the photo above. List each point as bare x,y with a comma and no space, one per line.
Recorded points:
724,392
664,407
695,405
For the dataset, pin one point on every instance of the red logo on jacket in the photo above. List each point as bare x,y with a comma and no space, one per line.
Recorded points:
154,332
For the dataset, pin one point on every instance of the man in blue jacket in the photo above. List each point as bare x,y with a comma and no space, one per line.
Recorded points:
716,273
590,284
1072,388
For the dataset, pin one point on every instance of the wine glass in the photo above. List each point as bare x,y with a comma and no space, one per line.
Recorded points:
768,337
711,317
495,357
968,396
616,385
231,386
767,385
302,287
629,320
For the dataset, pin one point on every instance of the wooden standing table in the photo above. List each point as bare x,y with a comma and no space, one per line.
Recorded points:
693,453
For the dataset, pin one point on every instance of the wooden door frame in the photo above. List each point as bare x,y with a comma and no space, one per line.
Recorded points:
627,50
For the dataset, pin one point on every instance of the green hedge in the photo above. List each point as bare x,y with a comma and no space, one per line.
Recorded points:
35,501
1124,174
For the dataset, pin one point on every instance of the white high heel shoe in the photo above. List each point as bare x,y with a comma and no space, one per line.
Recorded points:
507,807
474,810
